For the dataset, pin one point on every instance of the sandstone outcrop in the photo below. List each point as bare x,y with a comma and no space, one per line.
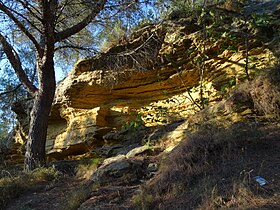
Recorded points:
159,62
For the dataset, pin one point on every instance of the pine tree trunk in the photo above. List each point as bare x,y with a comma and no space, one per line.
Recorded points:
35,148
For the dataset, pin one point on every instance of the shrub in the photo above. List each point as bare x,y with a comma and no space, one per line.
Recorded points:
265,92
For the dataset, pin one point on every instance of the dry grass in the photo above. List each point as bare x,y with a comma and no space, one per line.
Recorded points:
12,186
81,169
214,169
142,200
86,168
265,92
242,197
76,197
189,162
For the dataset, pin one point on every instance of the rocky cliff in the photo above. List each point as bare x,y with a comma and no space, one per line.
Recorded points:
161,72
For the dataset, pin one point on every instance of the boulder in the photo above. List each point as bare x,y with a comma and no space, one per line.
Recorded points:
137,151
121,170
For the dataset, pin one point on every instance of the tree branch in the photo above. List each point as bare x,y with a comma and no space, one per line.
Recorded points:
10,91
81,25
7,11
28,21
61,11
73,47
16,64
29,7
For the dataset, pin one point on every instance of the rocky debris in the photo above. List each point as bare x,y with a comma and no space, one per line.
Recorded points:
114,150
134,141
133,135
123,170
127,168
110,198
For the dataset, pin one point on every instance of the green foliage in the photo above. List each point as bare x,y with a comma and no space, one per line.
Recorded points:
113,35
4,128
157,114
229,36
10,88
182,8
135,123
160,114
150,143
261,19
7,117
95,161
202,101
230,47
116,29
228,86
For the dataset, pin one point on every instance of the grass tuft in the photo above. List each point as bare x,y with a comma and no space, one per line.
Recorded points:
74,199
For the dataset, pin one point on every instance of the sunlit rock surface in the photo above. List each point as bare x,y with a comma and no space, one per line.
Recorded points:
99,95
158,71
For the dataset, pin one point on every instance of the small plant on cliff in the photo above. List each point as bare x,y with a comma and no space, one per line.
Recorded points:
157,114
136,122
160,112
231,84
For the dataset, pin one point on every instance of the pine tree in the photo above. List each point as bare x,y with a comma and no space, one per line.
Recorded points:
49,26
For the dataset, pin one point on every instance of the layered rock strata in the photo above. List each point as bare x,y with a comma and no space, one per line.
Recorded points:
158,62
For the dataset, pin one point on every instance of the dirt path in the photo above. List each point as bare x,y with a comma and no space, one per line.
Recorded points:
53,196
58,197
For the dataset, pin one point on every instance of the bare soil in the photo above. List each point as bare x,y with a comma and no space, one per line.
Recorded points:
49,196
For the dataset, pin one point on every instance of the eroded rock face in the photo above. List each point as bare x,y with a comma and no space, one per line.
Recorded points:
158,62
